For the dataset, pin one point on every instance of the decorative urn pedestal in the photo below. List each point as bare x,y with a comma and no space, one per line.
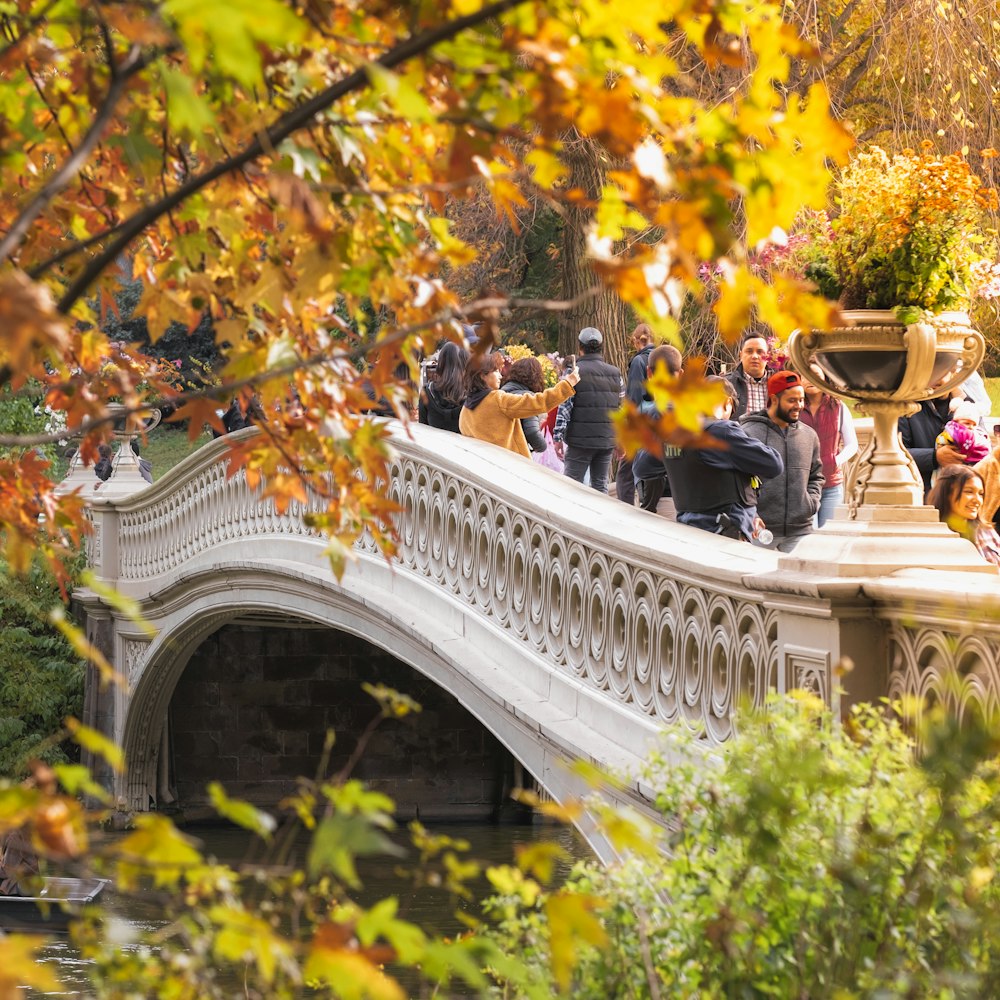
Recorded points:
888,367
126,477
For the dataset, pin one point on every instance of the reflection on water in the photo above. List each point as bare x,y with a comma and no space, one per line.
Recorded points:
433,911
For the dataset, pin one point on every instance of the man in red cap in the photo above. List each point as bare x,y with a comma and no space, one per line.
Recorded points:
787,503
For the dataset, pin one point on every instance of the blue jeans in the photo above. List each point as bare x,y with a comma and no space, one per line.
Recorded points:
596,460
833,496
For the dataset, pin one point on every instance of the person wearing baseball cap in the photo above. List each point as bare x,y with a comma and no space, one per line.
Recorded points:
787,503
584,435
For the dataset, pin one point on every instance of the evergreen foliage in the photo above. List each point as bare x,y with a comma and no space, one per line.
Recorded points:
41,679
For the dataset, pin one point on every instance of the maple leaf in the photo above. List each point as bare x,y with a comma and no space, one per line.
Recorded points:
32,329
689,395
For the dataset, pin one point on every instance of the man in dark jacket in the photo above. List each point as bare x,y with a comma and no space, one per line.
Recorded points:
716,488
648,469
919,434
749,377
635,390
584,435
787,503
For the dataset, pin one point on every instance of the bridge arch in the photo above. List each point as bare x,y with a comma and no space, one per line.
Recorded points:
526,714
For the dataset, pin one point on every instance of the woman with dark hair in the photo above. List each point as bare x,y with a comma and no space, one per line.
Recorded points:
495,416
442,397
523,376
958,497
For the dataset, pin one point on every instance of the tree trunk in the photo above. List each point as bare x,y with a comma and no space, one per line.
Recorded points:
607,311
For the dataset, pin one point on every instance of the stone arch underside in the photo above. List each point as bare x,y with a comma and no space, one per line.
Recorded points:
543,718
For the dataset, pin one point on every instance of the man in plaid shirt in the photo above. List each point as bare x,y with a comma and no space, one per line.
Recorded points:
749,377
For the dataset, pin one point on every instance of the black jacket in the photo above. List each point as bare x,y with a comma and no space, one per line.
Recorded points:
635,381
737,378
712,479
532,430
436,411
598,395
920,432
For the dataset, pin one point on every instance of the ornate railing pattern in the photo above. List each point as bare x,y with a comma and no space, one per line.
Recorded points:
667,644
666,624
945,651
208,509
669,647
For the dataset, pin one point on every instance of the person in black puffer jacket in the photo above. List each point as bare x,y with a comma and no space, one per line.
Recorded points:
441,400
525,376
584,422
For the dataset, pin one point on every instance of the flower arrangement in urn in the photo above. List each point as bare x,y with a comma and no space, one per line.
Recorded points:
910,235
906,256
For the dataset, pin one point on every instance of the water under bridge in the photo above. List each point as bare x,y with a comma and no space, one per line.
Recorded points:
568,625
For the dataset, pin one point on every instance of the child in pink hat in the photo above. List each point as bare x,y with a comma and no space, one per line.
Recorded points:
963,432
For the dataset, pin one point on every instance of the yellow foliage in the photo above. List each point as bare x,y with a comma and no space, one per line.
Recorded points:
571,922
19,967
689,395
349,974
156,848
245,937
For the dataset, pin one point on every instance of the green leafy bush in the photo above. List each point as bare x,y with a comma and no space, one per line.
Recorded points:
41,678
816,860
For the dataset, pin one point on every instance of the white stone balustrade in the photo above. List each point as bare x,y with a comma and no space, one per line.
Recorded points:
569,624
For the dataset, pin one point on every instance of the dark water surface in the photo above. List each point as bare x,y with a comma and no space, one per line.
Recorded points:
434,912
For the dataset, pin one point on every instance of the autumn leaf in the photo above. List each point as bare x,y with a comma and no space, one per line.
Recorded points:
571,923
737,296
245,937
352,975
156,847
689,395
20,967
241,813
115,599
58,827
540,859
96,743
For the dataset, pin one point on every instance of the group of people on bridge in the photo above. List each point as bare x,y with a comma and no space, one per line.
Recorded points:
776,467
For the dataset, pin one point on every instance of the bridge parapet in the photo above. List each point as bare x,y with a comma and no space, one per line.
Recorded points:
671,622
583,623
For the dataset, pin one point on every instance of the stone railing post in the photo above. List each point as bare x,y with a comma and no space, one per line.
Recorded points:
103,546
104,704
832,645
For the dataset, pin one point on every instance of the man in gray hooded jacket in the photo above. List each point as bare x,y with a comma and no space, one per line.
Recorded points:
787,503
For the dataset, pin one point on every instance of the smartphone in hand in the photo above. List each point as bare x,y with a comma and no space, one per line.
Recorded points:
569,363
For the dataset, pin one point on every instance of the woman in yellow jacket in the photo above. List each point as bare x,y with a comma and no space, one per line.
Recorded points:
495,416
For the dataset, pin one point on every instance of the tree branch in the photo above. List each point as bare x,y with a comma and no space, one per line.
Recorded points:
76,160
26,33
464,314
298,118
77,246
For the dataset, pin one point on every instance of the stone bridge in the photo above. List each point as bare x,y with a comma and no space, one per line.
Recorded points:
570,626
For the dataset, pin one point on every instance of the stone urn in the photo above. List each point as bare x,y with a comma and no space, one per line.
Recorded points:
888,367
126,476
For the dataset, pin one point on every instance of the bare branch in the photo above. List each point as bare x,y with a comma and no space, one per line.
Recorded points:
77,246
32,24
